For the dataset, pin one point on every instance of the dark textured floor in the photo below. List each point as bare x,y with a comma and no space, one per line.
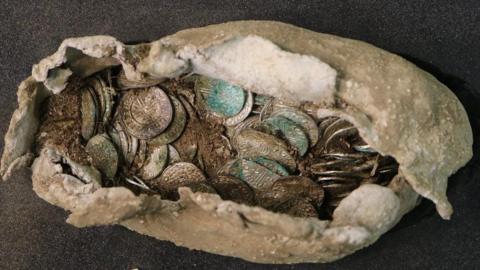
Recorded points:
440,36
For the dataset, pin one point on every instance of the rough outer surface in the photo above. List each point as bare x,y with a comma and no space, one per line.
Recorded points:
399,110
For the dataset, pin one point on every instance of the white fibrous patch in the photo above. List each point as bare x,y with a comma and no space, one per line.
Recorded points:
259,65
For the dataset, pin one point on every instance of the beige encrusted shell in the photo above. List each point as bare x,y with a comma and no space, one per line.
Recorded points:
399,110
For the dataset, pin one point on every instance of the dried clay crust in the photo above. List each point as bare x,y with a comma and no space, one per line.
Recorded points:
398,109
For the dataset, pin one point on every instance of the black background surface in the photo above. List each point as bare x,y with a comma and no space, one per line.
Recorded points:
442,37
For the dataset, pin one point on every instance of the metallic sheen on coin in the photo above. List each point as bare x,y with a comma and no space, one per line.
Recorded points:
178,175
145,113
104,155
175,129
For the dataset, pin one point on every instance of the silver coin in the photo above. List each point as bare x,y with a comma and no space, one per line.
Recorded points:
177,126
252,143
103,154
233,189
177,175
145,113
155,163
89,114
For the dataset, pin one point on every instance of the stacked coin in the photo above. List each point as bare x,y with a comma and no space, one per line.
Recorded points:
97,100
166,135
344,161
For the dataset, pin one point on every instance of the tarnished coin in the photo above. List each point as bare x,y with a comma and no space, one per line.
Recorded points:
252,143
250,122
257,176
187,143
334,188
302,119
261,100
132,148
233,189
243,114
271,165
124,144
221,97
124,83
145,113
141,155
365,148
175,129
173,155
201,187
105,96
177,175
89,114
157,159
291,187
335,125
104,155
287,129
324,123
298,207
114,136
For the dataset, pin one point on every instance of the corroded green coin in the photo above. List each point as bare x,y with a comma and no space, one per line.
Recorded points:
287,129
233,168
222,97
302,119
233,189
261,100
175,129
243,114
253,143
145,113
271,165
89,112
257,176
157,159
104,155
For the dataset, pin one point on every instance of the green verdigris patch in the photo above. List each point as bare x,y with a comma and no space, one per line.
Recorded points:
225,99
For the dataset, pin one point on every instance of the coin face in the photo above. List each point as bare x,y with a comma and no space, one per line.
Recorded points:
287,129
104,155
298,207
145,113
233,189
180,174
243,114
302,119
252,143
290,187
175,129
257,176
271,165
221,98
155,163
